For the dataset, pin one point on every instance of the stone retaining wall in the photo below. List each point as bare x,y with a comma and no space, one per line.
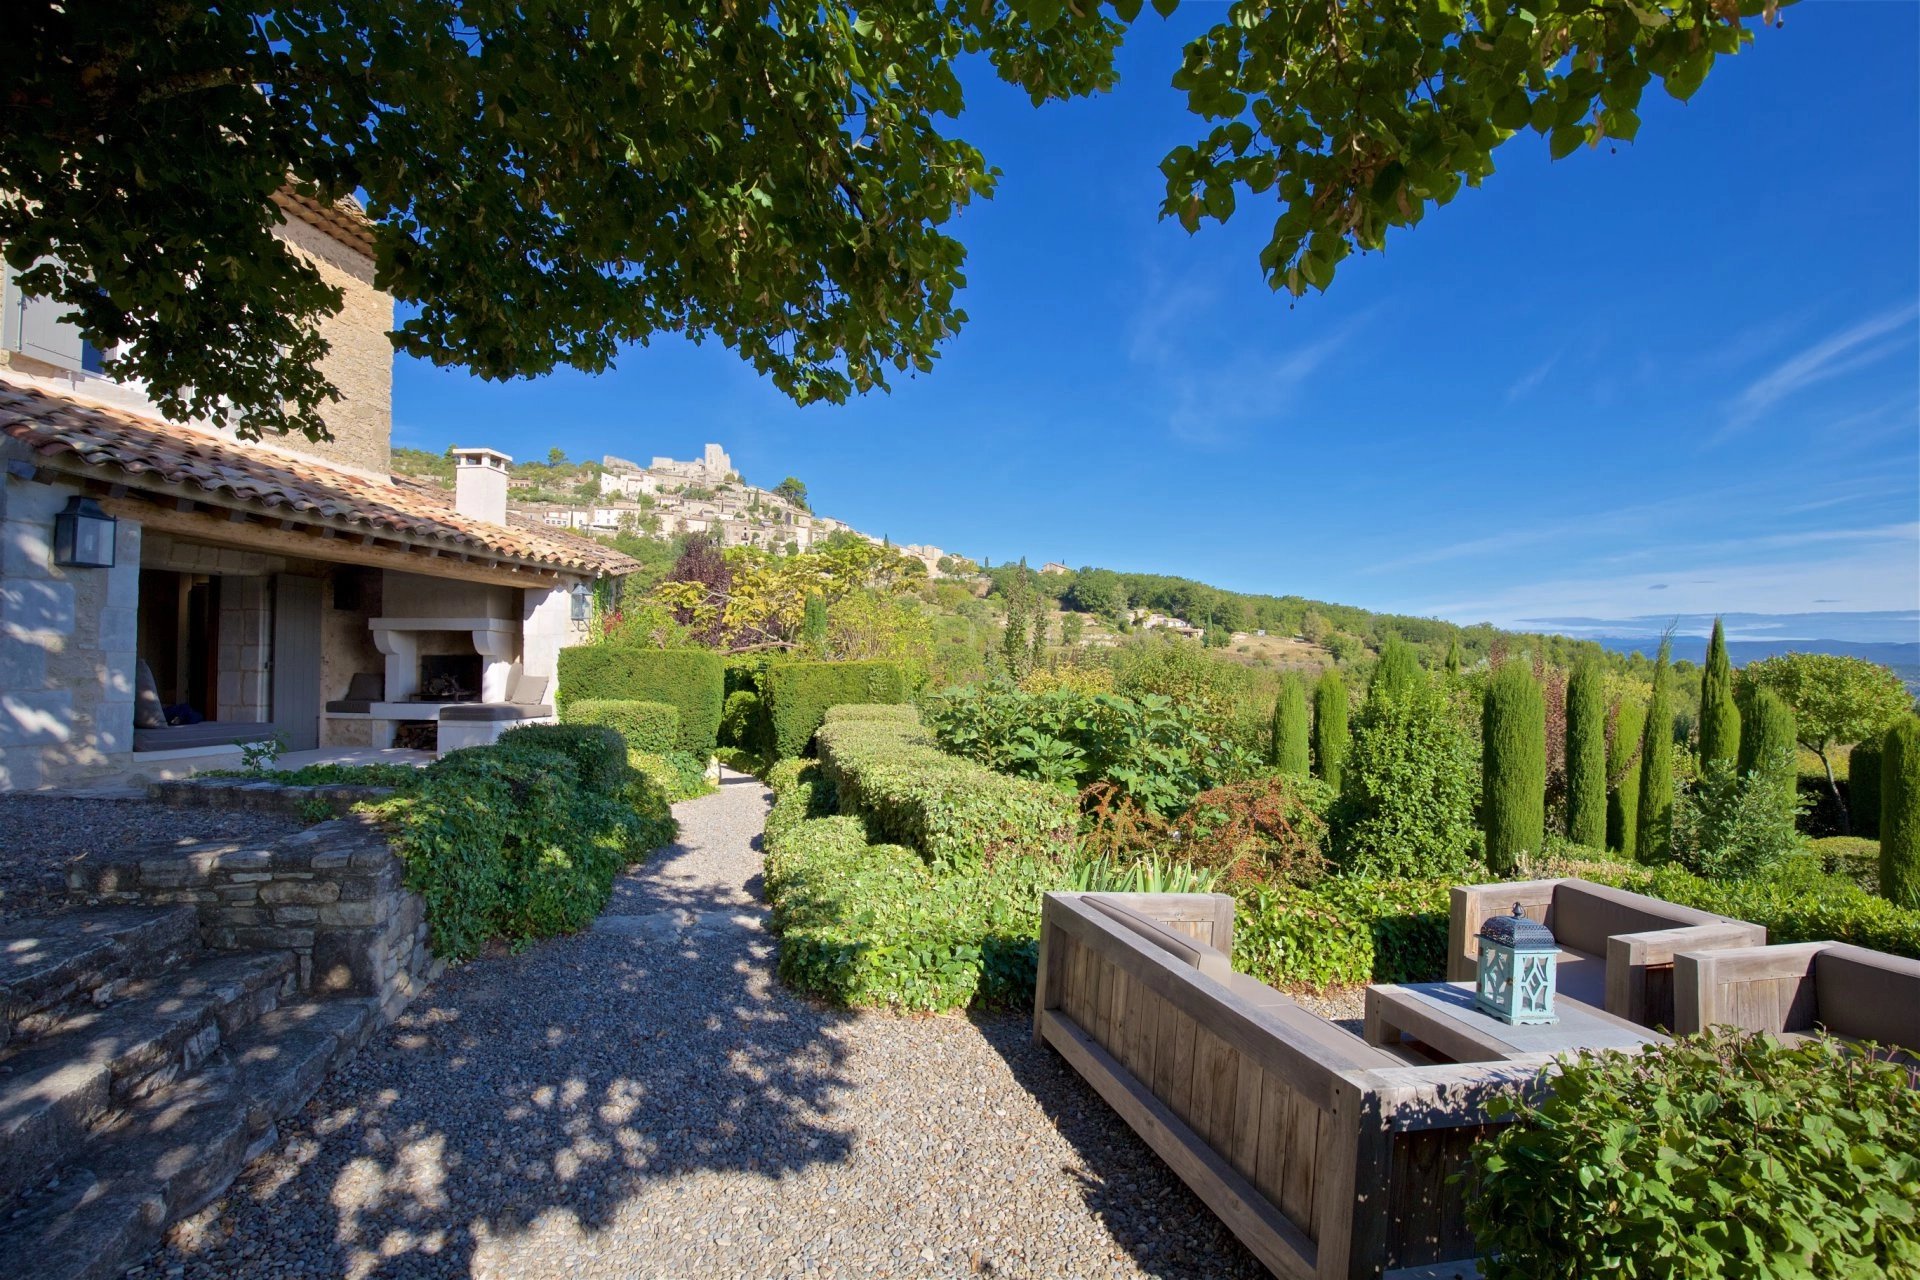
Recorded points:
334,895
261,795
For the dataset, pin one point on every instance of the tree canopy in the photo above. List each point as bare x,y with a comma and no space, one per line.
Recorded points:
549,182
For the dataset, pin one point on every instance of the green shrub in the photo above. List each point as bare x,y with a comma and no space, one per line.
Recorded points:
1716,1156
1719,717
1653,826
1292,751
1900,813
691,679
1342,931
1767,734
678,774
797,695
1730,824
1864,762
1329,727
1852,857
398,776
523,839
1513,768
1587,754
1406,800
891,712
741,721
647,726
1794,901
955,812
873,925
1623,778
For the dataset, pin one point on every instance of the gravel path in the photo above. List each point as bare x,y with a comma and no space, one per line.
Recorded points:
39,835
647,1100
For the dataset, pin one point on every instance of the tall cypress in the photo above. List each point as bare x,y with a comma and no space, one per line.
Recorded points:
1513,807
1290,742
1863,787
1397,673
1587,754
1768,742
1330,727
1623,777
1719,717
1453,657
1900,814
813,628
1654,838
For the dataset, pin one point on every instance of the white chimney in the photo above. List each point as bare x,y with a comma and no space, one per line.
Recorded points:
480,484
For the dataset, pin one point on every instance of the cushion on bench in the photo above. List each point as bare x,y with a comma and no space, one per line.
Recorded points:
365,689
489,711
1868,995
208,733
1189,951
1583,916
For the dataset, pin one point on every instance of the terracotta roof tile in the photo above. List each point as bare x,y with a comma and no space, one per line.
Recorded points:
147,450
344,220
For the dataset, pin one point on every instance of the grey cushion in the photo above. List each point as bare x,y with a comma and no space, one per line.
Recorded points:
208,733
350,706
1868,995
487,711
1583,916
1579,976
528,690
367,686
148,713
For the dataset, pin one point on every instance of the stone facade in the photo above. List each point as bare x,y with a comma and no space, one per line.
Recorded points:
67,640
334,895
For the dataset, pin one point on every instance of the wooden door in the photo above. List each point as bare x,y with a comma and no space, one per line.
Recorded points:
296,661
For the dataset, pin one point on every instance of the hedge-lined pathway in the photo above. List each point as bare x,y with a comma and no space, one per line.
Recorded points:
648,1100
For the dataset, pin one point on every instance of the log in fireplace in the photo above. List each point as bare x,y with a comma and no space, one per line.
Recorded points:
449,677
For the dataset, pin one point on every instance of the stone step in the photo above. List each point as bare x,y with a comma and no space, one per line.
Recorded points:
53,1089
49,961
173,1153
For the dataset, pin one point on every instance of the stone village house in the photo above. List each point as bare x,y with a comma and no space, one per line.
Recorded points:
288,587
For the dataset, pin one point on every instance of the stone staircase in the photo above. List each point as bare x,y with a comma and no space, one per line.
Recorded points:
139,1073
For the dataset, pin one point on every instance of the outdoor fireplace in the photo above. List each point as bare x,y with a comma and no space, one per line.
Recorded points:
449,677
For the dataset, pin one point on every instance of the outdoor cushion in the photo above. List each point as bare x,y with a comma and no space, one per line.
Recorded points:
1868,995
365,689
1583,916
1189,951
1579,976
208,733
147,711
528,690
469,711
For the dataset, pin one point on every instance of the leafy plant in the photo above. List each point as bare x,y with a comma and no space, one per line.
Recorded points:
1835,700
646,726
1650,1166
1406,802
256,758
1107,874
1730,824
1263,831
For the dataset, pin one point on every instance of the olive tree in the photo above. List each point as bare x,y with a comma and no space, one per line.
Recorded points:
1836,700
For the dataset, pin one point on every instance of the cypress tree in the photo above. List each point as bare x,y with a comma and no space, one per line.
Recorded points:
1623,776
1653,839
1863,787
1453,657
1397,673
1329,727
1513,807
1719,717
813,629
1768,743
1900,814
1290,744
1587,755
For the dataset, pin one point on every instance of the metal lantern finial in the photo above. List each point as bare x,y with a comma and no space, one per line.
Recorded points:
83,535
1517,970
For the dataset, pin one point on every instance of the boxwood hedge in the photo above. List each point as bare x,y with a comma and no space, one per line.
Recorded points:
956,813
796,695
692,680
652,727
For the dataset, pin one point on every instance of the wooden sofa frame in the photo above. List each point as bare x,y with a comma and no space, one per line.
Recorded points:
1639,966
1775,989
1329,1158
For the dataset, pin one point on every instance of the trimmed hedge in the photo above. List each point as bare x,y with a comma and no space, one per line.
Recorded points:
874,926
889,712
1342,931
692,680
796,696
523,839
652,727
955,812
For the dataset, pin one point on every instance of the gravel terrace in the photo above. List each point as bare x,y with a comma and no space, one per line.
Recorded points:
39,835
647,1100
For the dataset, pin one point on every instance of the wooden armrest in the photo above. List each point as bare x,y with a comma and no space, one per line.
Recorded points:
1701,977
1206,917
1631,955
1471,904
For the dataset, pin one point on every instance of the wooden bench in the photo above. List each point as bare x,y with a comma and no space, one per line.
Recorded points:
1616,947
1326,1156
1801,988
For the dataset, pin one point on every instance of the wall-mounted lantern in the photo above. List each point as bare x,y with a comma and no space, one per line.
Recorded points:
582,602
83,535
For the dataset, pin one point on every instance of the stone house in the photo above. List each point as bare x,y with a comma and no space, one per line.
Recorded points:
234,591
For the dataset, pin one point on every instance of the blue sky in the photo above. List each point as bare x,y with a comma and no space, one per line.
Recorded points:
1683,378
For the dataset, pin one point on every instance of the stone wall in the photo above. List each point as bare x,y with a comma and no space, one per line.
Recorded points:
67,640
334,895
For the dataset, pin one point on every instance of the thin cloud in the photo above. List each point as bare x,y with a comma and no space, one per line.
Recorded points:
1209,403
1850,349
1531,380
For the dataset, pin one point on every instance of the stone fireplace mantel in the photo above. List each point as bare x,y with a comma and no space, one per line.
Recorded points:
494,639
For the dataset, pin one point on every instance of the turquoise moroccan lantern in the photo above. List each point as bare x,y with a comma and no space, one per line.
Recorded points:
1517,961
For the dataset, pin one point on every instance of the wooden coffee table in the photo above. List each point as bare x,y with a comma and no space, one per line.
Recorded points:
1442,1016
